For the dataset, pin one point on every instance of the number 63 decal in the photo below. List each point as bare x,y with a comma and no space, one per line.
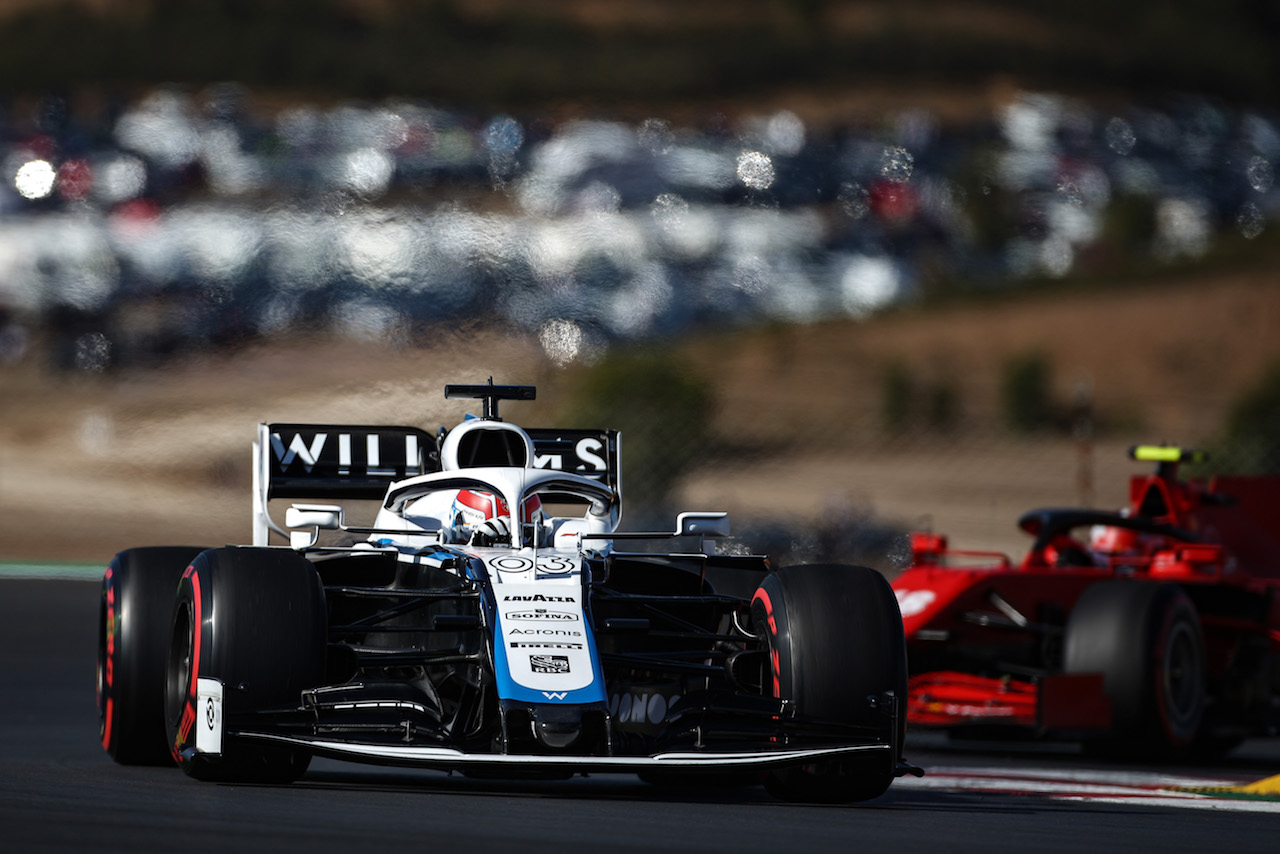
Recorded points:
547,565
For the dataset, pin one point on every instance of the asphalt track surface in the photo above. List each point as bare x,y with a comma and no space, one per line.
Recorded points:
60,791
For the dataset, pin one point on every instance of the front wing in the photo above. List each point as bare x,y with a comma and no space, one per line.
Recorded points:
449,759
1052,702
742,747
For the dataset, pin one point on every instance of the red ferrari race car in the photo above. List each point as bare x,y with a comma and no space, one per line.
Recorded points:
1153,630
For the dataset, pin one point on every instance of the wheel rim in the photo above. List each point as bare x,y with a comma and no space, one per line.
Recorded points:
1182,679
178,670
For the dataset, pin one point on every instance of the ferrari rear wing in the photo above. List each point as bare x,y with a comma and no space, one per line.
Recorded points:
342,461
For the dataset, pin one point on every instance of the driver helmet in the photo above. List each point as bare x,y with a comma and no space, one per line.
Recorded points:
1110,539
474,507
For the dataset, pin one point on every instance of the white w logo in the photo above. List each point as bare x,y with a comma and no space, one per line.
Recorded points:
554,695
298,448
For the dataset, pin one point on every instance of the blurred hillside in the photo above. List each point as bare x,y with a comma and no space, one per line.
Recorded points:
797,446
528,54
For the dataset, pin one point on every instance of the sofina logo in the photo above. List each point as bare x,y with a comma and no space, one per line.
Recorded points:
542,614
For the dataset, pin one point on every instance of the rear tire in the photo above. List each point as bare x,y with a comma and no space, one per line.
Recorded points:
835,641
1146,640
254,619
133,641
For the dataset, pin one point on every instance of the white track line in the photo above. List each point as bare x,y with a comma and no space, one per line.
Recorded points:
1131,788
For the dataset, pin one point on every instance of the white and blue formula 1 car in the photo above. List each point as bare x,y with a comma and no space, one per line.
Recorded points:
493,621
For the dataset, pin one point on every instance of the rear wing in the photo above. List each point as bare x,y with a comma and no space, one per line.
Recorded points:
337,461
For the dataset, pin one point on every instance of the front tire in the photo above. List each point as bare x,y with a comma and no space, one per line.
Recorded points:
1146,640
837,650
254,619
133,641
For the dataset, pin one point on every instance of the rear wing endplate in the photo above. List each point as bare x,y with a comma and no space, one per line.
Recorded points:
315,461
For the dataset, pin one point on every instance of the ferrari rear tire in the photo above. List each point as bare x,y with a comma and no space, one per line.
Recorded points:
133,641
254,620
1146,640
836,649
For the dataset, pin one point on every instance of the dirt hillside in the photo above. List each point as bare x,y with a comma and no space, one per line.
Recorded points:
1161,363
90,464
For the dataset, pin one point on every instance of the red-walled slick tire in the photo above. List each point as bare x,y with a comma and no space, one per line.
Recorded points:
253,619
133,642
1146,640
836,649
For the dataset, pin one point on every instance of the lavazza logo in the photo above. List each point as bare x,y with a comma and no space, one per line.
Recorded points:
538,597
542,614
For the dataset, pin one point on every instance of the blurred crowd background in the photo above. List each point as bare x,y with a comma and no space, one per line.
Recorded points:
182,220
606,179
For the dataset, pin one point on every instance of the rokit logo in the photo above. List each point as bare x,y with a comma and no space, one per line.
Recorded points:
541,614
549,663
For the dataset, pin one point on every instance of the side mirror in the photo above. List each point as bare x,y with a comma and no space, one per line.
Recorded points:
313,516
702,525
327,516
